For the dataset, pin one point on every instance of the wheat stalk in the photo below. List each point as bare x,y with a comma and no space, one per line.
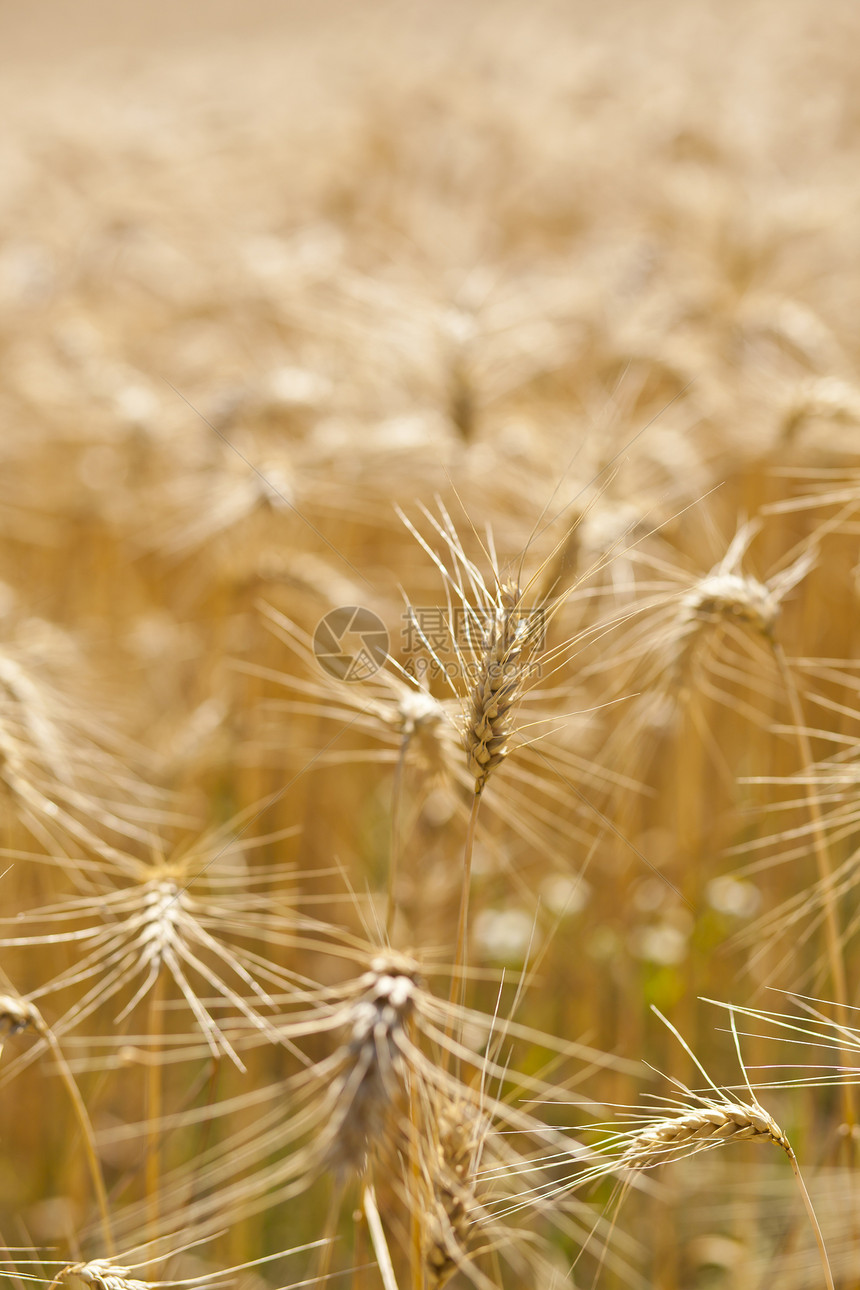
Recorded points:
727,594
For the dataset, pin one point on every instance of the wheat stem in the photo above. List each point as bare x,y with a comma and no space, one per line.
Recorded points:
807,1203
394,858
154,1104
323,1261
458,980
86,1130
822,857
377,1237
416,1259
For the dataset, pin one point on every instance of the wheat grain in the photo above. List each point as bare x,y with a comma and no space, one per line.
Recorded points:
370,1089
179,918
100,1274
454,1159
727,593
712,1125
497,687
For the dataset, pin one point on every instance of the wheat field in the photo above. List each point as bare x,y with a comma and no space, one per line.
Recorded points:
429,681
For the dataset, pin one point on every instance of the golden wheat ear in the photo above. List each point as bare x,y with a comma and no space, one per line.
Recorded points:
702,1122
493,639
448,1193
391,707
100,1274
118,1273
172,931
498,685
65,771
443,1162
341,1116
709,1126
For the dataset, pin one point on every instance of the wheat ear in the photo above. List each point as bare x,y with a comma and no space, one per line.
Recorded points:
99,1274
497,687
710,1126
488,728
707,1126
728,594
714,1121
451,1169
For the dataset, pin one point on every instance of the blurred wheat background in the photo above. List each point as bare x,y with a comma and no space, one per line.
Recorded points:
496,313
